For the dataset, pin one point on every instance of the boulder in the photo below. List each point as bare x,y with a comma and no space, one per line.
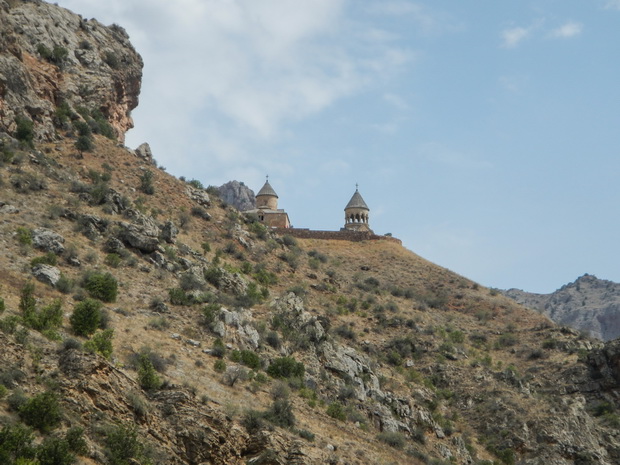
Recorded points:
48,240
142,233
169,232
46,274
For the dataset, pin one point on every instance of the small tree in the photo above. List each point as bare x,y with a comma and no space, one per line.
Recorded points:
86,317
101,343
146,183
41,411
147,376
102,286
84,144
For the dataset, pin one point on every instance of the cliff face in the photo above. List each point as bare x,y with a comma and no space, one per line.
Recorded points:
588,304
238,195
51,57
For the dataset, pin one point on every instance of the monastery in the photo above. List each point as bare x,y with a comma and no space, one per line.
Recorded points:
356,218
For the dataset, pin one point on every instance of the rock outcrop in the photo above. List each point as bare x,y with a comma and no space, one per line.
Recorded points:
51,58
238,195
589,304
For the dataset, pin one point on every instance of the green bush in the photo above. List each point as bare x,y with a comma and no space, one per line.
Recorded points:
101,343
102,286
24,236
86,317
392,438
219,365
84,144
49,258
147,375
281,413
123,445
286,367
75,439
2,305
336,410
250,359
16,442
50,317
113,260
146,183
55,451
25,130
41,411
179,297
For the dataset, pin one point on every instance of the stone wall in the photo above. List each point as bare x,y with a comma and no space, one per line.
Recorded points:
353,236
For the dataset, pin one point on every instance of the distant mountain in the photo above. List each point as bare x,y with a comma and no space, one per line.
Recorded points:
588,304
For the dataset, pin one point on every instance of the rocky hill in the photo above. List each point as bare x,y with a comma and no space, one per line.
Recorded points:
589,304
143,320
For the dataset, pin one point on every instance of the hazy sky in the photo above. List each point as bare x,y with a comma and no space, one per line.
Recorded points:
485,135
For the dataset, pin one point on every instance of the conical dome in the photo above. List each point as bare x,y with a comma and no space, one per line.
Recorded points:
268,190
357,202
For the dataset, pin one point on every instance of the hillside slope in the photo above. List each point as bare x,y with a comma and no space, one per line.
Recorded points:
142,320
588,304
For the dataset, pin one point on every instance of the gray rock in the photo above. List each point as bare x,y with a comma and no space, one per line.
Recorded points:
113,245
198,195
142,233
144,151
5,208
238,195
169,232
48,240
46,274
219,329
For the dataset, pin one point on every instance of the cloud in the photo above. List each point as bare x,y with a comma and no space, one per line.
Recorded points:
513,36
396,101
566,31
227,78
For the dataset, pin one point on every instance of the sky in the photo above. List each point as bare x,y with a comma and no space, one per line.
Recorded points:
485,135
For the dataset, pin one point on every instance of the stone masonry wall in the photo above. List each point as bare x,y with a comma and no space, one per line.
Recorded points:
353,236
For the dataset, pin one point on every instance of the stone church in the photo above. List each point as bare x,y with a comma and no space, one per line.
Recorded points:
356,212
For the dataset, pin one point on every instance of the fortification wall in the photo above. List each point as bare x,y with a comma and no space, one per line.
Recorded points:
353,236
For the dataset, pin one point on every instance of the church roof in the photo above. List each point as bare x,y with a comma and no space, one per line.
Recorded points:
267,190
356,202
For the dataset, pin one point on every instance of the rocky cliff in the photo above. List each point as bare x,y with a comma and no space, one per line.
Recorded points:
589,304
238,195
56,65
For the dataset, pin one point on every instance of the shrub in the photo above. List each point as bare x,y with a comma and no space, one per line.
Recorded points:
281,413
179,297
101,343
113,260
196,183
286,367
336,410
24,236
392,438
55,451
289,241
147,376
84,144
41,411
27,303
25,130
77,444
102,286
253,421
146,183
111,59
2,305
219,365
123,445
50,317
16,443
49,258
86,317
65,284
